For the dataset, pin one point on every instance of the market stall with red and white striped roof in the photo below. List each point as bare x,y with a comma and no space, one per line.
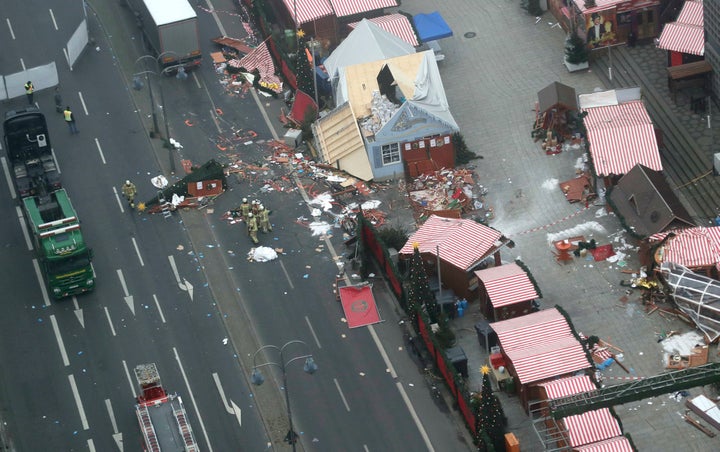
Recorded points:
687,33
537,347
459,245
308,10
695,248
345,8
621,136
618,444
586,428
395,24
505,291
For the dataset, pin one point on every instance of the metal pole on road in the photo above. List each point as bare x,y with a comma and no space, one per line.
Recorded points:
257,377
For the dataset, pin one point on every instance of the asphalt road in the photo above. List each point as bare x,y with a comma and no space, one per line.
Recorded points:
67,366
367,393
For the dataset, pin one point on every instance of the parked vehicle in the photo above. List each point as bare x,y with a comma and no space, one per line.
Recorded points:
170,29
162,416
65,259
27,143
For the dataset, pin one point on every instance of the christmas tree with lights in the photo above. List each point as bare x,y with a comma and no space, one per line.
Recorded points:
303,67
419,294
489,417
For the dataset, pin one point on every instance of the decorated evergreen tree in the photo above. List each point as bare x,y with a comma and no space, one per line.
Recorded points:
576,51
490,417
419,294
303,67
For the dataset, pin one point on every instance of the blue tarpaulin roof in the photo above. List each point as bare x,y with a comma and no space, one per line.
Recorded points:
431,26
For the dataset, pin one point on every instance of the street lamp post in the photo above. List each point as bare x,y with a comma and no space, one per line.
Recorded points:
257,377
138,85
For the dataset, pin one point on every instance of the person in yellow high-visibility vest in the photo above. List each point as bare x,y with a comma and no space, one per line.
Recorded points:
264,219
70,120
252,227
29,90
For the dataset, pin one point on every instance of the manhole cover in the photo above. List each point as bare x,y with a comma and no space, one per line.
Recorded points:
470,34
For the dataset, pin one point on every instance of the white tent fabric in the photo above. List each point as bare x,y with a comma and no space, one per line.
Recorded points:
367,42
429,92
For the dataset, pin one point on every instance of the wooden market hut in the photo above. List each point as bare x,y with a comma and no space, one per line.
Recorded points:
457,247
505,291
555,101
539,347
696,248
576,432
645,203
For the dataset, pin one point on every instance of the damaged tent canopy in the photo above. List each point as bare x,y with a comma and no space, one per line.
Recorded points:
696,295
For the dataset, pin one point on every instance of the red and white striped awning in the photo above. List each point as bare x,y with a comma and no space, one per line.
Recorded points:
600,5
540,346
349,7
619,444
692,247
683,38
686,34
589,427
692,13
395,24
462,243
620,137
259,58
308,10
507,284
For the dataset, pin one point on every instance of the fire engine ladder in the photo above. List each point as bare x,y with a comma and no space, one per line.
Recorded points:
185,429
164,205
552,432
636,390
148,429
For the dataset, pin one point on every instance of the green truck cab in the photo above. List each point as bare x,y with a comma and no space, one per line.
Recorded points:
65,259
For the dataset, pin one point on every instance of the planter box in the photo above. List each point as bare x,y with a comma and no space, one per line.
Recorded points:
576,67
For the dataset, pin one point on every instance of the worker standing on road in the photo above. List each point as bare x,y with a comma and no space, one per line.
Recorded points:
29,90
70,120
264,218
245,208
254,207
129,191
252,227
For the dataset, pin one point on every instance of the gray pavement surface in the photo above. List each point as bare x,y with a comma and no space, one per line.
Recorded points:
491,80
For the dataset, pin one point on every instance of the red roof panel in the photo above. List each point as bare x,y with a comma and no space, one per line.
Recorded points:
395,24
507,284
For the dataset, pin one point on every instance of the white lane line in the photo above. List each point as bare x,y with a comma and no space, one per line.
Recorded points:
219,387
22,63
107,314
43,289
213,116
192,397
12,33
23,226
365,448
130,380
57,165
91,445
382,351
415,416
171,258
113,422
312,331
137,250
342,396
157,303
99,148
52,16
217,19
82,101
286,275
197,82
9,180
78,402
67,58
117,197
59,339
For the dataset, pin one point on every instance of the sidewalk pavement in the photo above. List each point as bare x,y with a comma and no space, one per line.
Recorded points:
496,62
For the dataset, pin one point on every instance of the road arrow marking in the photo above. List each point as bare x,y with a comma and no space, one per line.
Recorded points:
189,288
231,408
128,297
116,435
184,285
78,312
